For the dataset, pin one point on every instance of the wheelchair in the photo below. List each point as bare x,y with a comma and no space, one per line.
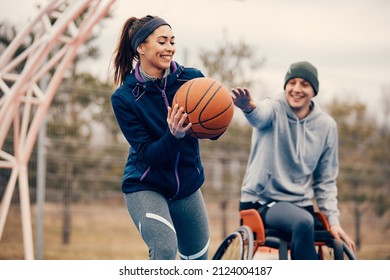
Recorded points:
245,241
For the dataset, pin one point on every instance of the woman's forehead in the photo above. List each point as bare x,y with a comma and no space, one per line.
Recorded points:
163,31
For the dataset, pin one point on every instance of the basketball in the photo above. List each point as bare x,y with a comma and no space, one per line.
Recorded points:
208,104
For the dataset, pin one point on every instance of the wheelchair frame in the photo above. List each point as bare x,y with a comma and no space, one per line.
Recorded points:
253,234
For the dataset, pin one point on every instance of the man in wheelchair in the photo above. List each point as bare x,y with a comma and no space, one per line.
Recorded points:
293,161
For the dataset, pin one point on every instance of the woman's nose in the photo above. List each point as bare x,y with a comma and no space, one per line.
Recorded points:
170,47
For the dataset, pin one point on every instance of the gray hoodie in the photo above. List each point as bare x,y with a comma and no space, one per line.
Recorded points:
292,160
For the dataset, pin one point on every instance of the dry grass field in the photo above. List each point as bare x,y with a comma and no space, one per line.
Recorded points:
106,232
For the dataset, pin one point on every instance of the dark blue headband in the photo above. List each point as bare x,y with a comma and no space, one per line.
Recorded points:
145,31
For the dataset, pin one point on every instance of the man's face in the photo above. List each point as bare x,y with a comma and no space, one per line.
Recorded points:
299,93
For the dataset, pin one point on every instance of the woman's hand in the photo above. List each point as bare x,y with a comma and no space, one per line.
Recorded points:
243,99
175,119
338,233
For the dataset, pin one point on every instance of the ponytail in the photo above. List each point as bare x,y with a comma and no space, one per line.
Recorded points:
124,55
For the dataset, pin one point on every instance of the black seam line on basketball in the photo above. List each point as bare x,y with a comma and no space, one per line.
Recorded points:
204,108
188,91
200,100
185,101
193,132
204,121
210,119
212,96
203,134
200,134
208,102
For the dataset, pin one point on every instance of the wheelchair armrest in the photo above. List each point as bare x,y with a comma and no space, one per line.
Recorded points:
323,220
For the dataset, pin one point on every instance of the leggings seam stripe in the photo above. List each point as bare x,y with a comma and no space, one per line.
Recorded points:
197,255
161,219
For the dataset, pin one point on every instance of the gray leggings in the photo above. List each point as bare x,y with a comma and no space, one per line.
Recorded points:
170,226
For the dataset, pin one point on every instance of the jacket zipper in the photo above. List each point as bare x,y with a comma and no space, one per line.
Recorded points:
165,98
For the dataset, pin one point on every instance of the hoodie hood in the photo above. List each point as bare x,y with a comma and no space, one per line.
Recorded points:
315,112
301,125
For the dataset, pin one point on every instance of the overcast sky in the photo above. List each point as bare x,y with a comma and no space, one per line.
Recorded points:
347,40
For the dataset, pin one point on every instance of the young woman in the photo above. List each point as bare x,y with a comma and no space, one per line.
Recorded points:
163,172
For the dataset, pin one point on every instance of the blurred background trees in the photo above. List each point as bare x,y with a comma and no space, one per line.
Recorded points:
85,151
364,160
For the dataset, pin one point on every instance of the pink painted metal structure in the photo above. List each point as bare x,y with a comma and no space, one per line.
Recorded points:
58,31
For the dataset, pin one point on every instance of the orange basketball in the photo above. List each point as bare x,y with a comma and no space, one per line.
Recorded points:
208,104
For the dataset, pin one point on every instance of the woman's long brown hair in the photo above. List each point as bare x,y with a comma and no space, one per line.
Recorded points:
124,56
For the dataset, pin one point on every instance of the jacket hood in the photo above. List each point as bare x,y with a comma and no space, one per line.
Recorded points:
135,81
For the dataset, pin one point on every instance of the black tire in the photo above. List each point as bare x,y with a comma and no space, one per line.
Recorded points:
231,248
238,245
348,252
338,250
248,239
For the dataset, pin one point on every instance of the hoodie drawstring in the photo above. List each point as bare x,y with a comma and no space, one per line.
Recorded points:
300,151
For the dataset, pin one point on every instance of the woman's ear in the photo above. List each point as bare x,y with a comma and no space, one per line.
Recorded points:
140,49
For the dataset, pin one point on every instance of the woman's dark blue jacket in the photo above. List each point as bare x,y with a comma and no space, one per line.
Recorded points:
157,160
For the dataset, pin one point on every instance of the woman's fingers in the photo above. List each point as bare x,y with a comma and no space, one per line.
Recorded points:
176,121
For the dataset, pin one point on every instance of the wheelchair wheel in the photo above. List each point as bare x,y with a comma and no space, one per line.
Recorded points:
337,250
238,245
348,252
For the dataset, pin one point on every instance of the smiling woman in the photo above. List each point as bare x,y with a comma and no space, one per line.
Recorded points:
163,173
162,44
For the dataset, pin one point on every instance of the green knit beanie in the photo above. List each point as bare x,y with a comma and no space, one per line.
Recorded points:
303,70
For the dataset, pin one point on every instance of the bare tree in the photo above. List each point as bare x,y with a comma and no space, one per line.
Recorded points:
232,64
